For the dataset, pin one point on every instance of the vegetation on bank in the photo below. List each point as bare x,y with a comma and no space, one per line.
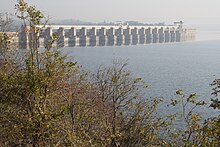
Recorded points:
47,100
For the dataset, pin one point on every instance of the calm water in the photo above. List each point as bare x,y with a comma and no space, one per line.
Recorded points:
190,66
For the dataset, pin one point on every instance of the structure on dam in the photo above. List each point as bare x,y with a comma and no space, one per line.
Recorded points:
117,35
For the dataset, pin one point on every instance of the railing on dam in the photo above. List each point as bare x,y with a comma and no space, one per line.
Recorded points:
82,36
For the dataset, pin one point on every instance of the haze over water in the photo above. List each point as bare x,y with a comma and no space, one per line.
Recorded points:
207,32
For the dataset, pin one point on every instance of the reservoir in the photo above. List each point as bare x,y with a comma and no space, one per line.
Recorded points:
190,66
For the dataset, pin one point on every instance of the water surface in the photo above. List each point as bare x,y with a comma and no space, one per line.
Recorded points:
190,66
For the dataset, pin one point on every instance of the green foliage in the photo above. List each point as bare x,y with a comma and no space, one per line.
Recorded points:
28,13
30,96
132,117
215,103
46,100
194,132
5,42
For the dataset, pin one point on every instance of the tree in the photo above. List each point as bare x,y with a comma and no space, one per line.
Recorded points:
132,117
31,103
196,131
47,100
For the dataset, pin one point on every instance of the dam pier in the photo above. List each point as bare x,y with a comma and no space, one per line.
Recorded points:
117,35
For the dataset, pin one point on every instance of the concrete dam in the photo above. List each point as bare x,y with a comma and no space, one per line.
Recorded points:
117,35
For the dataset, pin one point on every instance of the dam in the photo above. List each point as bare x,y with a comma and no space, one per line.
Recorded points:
114,35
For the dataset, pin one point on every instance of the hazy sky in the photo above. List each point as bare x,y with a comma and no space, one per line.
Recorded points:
191,11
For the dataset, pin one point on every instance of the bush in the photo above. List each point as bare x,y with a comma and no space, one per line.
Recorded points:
47,100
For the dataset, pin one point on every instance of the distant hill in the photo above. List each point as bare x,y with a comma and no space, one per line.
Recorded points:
17,23
79,22
70,22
